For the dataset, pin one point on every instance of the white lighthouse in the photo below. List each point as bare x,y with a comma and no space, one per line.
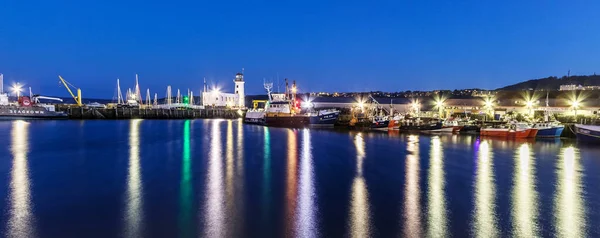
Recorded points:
239,89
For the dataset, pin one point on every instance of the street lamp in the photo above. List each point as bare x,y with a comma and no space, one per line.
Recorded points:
416,106
488,104
575,104
17,89
439,103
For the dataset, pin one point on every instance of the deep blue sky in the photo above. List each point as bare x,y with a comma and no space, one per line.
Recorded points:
324,45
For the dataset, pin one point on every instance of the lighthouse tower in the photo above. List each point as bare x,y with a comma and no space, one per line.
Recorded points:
239,89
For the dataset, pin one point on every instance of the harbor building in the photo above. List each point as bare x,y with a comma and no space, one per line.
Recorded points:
216,98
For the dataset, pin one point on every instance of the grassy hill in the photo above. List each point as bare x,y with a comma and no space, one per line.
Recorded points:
553,83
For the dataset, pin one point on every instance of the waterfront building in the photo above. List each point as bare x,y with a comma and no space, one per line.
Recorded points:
216,98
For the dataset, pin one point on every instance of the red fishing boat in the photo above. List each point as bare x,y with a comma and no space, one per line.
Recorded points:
514,130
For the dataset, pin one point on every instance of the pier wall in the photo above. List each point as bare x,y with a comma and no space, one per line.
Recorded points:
135,113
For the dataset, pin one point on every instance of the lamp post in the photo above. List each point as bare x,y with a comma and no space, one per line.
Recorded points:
17,89
439,103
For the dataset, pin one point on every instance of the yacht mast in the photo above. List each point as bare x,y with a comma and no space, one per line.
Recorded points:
119,96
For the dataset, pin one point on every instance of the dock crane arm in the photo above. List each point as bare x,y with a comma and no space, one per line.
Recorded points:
78,97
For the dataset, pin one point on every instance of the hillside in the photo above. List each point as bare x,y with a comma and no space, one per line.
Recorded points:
553,83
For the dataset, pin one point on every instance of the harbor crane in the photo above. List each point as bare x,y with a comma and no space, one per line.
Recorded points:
78,97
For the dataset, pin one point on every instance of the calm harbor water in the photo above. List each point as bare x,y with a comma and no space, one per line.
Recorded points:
220,178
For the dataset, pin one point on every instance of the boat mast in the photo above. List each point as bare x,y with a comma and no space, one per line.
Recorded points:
119,96
169,95
148,97
546,116
1,83
138,93
155,99
178,99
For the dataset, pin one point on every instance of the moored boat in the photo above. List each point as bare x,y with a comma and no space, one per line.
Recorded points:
25,109
514,130
549,129
587,133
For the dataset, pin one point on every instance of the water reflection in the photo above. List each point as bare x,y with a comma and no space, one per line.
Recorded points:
568,204
134,216
291,180
360,225
266,178
524,195
306,214
186,190
412,192
21,220
485,215
436,210
214,217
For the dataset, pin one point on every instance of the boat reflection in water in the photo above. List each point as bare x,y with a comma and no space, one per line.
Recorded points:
524,196
214,216
485,224
21,220
291,186
360,224
412,191
134,217
436,209
306,212
568,203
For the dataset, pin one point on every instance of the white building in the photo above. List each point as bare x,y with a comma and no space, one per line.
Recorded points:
216,98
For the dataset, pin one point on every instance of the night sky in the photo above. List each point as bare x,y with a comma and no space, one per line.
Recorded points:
324,45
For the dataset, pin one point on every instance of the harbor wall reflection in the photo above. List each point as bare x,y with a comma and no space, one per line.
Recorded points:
412,190
436,210
214,216
569,206
21,220
360,224
134,217
485,224
306,223
524,196
186,189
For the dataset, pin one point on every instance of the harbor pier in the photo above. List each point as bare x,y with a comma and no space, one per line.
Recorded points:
148,113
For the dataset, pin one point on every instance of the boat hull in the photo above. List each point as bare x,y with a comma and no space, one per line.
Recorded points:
550,132
255,121
30,113
324,120
287,121
507,133
587,133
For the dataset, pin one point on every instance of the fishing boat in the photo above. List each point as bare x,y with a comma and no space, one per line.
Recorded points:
587,133
286,112
549,129
513,130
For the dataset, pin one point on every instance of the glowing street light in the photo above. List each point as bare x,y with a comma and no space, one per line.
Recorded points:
575,104
439,104
416,106
17,89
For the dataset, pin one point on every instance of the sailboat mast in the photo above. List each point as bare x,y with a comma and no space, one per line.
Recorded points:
119,96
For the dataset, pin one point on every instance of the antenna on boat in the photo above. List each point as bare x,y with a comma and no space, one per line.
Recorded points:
268,87
30,93
278,82
1,83
205,89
